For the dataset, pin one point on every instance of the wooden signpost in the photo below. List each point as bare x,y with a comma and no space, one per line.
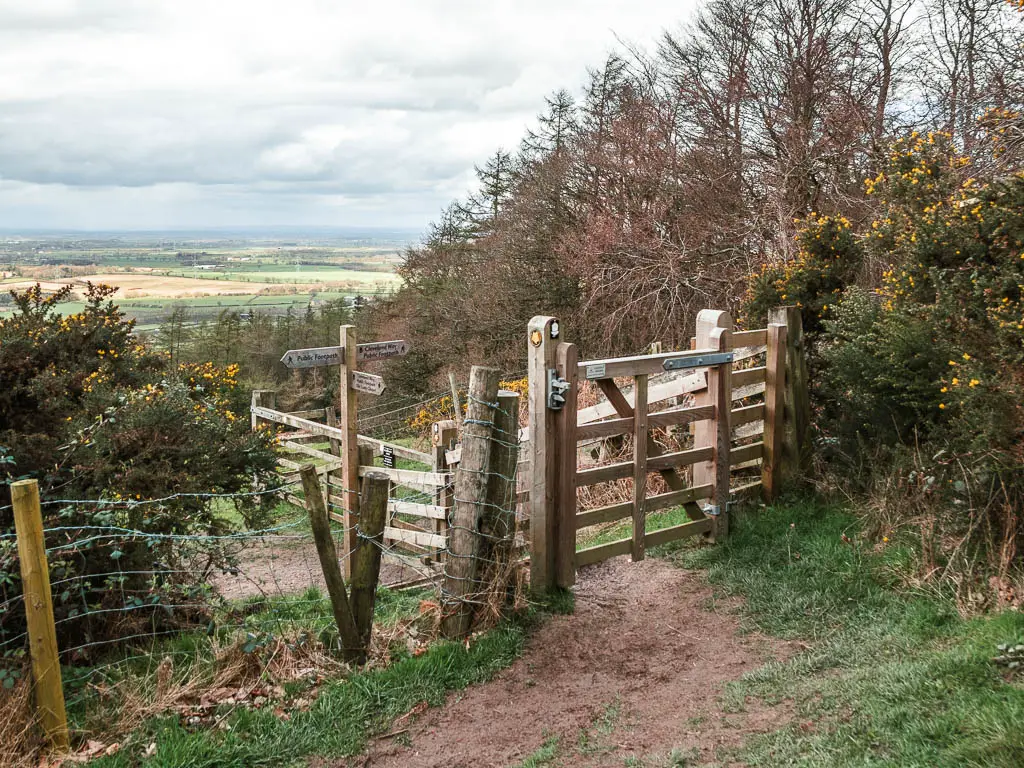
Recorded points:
353,381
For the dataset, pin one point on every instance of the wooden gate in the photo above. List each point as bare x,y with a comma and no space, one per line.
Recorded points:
556,430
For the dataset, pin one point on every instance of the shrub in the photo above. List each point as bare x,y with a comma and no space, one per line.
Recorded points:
94,414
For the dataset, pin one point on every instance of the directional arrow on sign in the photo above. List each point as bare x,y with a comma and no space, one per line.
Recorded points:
313,358
367,383
382,350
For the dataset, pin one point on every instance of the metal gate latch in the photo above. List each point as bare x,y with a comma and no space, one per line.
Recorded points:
556,390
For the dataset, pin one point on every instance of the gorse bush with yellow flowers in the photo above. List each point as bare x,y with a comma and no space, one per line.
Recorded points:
92,413
916,340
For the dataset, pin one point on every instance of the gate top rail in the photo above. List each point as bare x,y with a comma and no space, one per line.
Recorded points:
635,365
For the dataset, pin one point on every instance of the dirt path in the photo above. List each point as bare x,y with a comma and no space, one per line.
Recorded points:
636,673
290,567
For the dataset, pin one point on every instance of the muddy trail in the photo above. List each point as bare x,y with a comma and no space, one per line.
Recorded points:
635,674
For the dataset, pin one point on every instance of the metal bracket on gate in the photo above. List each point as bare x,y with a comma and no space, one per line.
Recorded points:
715,358
556,390
714,510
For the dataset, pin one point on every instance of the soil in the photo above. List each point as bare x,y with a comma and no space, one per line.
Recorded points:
288,567
637,672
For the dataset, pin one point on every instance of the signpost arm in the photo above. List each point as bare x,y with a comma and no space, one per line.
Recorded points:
350,445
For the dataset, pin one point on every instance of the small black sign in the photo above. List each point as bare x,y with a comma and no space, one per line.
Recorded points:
388,454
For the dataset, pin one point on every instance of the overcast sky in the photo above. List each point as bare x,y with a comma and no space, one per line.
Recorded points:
151,114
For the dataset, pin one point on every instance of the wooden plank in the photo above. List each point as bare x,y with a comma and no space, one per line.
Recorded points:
757,337
746,415
739,393
774,410
330,458
315,413
604,429
615,397
541,346
720,390
415,509
443,435
635,365
676,532
601,552
663,390
748,376
605,474
420,538
704,431
38,602
746,431
640,468
675,416
746,453
741,489
411,478
399,450
613,512
566,358
678,459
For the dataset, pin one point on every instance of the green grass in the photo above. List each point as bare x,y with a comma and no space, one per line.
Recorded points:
891,677
346,713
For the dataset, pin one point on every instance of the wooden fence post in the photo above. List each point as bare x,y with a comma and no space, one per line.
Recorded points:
796,452
500,508
262,398
566,360
640,435
443,436
774,410
705,432
720,389
349,401
542,336
471,485
351,645
373,510
42,634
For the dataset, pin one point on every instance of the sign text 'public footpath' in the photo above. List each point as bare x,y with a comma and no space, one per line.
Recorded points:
314,358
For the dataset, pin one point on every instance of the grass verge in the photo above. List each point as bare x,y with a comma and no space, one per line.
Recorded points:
344,716
890,676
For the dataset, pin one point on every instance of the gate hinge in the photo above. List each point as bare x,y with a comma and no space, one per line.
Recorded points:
556,390
714,510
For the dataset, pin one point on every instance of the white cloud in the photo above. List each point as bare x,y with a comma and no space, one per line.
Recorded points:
147,113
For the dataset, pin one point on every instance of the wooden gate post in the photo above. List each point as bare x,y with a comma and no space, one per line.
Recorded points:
262,398
542,338
705,432
42,634
720,389
373,511
796,452
566,361
349,402
443,435
471,485
774,410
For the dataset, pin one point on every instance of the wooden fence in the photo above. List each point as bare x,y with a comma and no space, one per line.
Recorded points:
744,415
419,499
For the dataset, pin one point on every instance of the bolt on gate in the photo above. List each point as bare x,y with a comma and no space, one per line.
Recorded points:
556,429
